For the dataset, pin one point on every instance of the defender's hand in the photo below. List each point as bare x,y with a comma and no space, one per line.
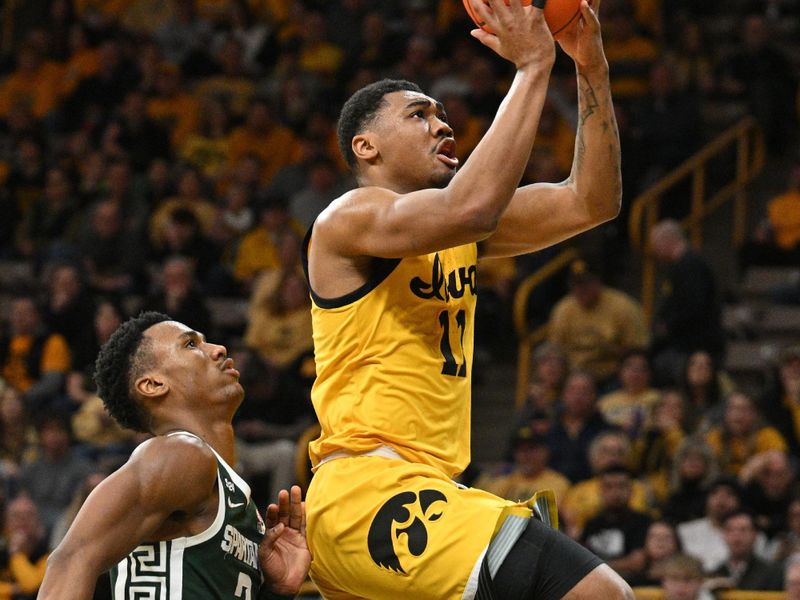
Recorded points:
583,42
283,555
520,32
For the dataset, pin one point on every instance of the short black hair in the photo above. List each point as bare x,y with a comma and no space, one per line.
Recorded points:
121,359
361,108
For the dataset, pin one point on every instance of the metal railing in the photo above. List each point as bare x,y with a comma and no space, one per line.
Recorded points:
526,336
747,141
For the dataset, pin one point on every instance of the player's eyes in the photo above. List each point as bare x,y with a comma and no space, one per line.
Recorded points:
191,344
418,113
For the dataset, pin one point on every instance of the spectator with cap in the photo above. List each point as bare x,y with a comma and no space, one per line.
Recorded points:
743,569
595,324
529,473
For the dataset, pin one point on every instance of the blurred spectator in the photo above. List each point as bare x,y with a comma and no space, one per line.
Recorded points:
17,439
703,538
629,53
34,361
789,542
52,478
631,406
207,148
770,485
35,83
743,569
259,249
183,237
317,54
683,579
184,33
264,137
760,74
97,96
584,499
172,106
179,296
118,186
776,240
595,324
50,218
70,311
88,485
529,473
324,184
617,533
548,371
26,179
692,60
661,543
100,437
133,134
688,314
781,398
576,424
25,559
668,123
792,580
235,217
230,82
742,436
706,387
113,256
658,441
694,470
190,197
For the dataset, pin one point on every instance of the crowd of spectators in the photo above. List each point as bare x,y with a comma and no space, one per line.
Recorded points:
166,155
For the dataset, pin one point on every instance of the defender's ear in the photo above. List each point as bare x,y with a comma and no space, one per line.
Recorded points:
151,386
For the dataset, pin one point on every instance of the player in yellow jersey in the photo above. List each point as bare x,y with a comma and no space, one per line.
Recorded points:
391,266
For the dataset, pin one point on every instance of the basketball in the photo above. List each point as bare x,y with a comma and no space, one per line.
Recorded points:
560,15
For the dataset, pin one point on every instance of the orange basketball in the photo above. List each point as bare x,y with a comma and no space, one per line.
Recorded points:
560,15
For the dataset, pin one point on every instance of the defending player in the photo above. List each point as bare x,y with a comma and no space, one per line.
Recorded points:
392,270
176,519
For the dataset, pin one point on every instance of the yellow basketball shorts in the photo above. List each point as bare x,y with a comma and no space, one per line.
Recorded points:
381,528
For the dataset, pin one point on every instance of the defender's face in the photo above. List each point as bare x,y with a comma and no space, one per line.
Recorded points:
193,367
415,143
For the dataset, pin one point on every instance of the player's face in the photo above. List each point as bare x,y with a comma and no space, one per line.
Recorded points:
416,145
193,367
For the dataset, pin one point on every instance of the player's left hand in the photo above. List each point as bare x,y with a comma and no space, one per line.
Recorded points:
284,556
583,42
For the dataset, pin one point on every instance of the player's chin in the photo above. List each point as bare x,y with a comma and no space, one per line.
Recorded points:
442,177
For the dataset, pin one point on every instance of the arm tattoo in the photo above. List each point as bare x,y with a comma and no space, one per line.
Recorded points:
589,98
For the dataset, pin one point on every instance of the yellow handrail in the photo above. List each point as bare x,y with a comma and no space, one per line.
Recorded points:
526,338
645,210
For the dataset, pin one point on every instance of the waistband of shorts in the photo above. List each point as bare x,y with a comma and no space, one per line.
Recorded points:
381,451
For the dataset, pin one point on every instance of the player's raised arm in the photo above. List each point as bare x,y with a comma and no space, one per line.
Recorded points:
543,214
405,150
165,477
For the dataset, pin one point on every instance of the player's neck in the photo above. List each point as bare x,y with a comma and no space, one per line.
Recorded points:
218,435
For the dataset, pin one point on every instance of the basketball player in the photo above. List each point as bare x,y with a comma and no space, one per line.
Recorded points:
176,521
392,270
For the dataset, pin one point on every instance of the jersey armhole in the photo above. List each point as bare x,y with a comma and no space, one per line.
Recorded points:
381,268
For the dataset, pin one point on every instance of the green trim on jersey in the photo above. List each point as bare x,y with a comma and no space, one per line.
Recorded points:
221,563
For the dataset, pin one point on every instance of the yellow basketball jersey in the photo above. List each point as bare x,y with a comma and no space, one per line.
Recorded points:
394,361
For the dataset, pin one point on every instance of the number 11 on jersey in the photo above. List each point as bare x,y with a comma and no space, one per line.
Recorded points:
453,365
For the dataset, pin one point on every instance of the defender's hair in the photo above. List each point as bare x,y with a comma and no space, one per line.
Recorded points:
121,360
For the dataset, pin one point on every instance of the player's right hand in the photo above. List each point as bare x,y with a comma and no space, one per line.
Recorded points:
520,33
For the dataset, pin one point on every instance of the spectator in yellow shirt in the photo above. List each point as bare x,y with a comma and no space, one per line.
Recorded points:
35,83
595,324
172,106
742,436
630,406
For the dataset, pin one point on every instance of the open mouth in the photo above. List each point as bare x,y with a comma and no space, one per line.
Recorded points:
446,152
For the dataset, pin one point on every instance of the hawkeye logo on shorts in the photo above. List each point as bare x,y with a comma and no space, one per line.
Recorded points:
395,519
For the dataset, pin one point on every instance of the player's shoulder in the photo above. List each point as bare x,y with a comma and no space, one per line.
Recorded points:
177,457
352,203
